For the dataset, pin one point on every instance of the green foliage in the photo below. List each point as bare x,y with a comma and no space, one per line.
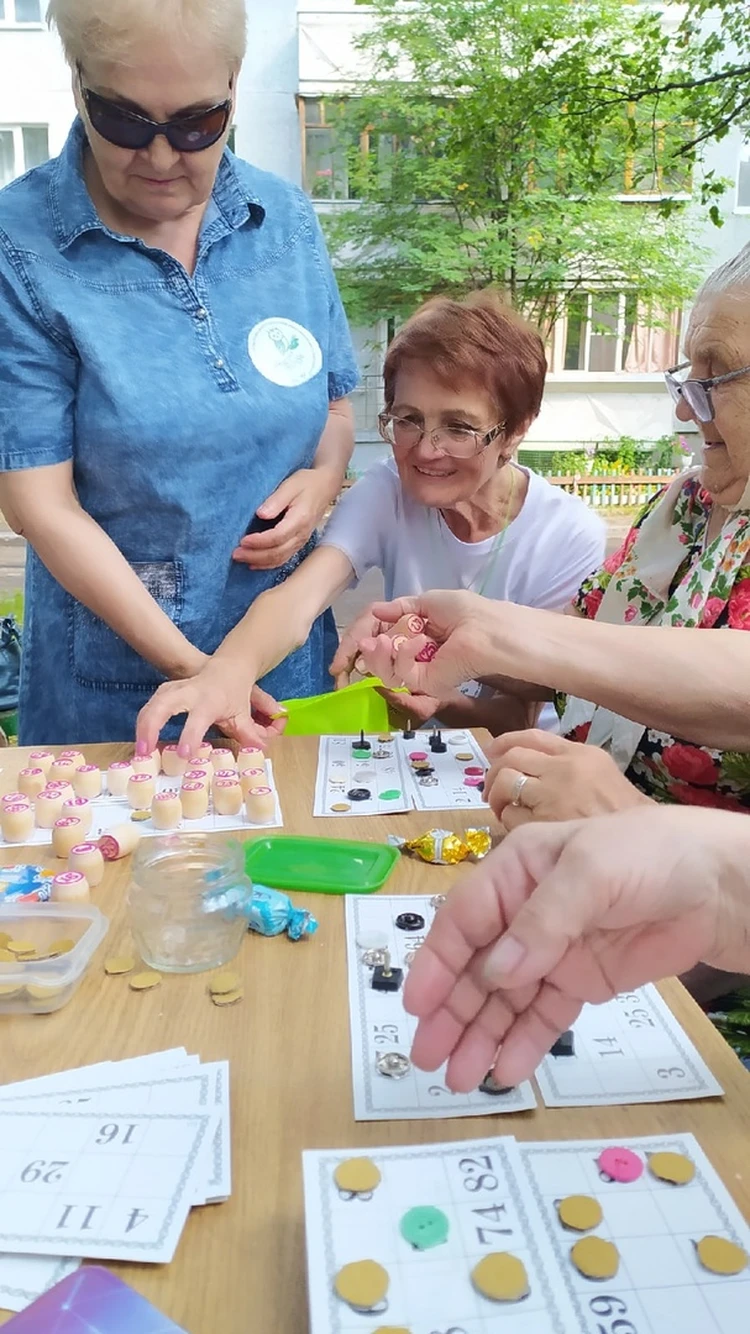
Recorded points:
495,155
569,463
624,457
12,605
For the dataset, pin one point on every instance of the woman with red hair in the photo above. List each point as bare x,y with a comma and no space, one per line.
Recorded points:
451,509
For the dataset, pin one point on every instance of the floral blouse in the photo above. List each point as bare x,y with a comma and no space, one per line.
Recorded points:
664,767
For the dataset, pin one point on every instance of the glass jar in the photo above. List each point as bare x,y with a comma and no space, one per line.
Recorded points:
186,900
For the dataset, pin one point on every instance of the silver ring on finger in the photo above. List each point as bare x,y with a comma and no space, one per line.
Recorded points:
517,789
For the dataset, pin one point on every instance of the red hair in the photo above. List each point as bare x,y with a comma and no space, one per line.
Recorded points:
480,339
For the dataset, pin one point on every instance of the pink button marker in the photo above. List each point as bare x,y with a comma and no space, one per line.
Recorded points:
620,1164
418,755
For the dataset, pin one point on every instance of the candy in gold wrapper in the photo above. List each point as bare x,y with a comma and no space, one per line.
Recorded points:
442,848
479,842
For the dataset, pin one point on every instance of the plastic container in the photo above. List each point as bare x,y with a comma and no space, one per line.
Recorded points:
41,986
319,865
186,899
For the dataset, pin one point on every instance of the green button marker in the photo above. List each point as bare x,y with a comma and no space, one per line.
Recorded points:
392,794
424,1227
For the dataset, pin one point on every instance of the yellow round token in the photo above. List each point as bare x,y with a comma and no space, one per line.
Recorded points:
12,989
358,1176
4,938
44,993
139,817
229,997
595,1258
581,1213
6,956
146,981
362,1285
222,983
340,806
674,1167
60,947
720,1256
392,1329
21,947
465,756
119,965
385,737
501,1277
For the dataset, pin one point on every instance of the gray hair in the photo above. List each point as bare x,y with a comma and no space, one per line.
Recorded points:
110,29
733,275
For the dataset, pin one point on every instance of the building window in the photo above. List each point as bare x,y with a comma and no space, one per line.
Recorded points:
344,162
611,331
742,204
20,11
324,160
21,148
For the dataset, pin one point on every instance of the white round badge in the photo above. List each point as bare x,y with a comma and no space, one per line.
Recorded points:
284,352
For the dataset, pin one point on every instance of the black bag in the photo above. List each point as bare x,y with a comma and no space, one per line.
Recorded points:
10,663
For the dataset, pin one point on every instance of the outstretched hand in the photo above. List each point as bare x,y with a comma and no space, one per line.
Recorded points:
556,916
215,697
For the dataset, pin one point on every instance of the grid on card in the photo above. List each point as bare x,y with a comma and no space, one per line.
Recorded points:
475,1186
383,776
379,1023
630,1049
660,1286
450,792
117,1181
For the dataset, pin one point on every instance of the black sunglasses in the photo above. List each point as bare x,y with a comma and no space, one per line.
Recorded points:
129,129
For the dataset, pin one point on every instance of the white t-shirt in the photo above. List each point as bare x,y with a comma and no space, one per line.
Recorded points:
544,555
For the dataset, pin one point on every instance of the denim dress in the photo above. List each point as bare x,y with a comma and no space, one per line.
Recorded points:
183,403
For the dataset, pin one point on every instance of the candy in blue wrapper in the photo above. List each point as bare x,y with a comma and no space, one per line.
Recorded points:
25,884
269,913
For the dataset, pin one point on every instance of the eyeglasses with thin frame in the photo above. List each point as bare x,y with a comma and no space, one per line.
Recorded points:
697,393
458,442
193,133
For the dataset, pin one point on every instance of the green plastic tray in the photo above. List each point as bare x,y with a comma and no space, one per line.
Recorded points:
319,865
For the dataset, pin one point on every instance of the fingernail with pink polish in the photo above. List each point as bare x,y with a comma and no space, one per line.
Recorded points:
183,750
141,748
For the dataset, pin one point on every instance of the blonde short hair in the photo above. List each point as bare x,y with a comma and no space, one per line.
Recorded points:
110,29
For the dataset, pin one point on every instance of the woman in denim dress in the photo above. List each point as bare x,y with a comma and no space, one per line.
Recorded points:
174,373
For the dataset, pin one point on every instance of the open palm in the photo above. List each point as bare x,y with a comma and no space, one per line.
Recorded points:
556,916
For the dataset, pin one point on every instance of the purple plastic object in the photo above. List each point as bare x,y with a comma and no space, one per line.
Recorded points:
91,1301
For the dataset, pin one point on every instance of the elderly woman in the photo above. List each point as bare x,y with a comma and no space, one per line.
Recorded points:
463,382
173,377
644,683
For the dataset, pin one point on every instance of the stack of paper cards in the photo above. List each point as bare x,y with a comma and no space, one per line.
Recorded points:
105,1162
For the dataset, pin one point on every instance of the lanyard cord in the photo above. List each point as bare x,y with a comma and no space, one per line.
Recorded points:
489,567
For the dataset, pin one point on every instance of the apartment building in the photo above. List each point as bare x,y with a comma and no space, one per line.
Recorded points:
300,54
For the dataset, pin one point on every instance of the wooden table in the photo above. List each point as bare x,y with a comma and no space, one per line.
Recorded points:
240,1266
